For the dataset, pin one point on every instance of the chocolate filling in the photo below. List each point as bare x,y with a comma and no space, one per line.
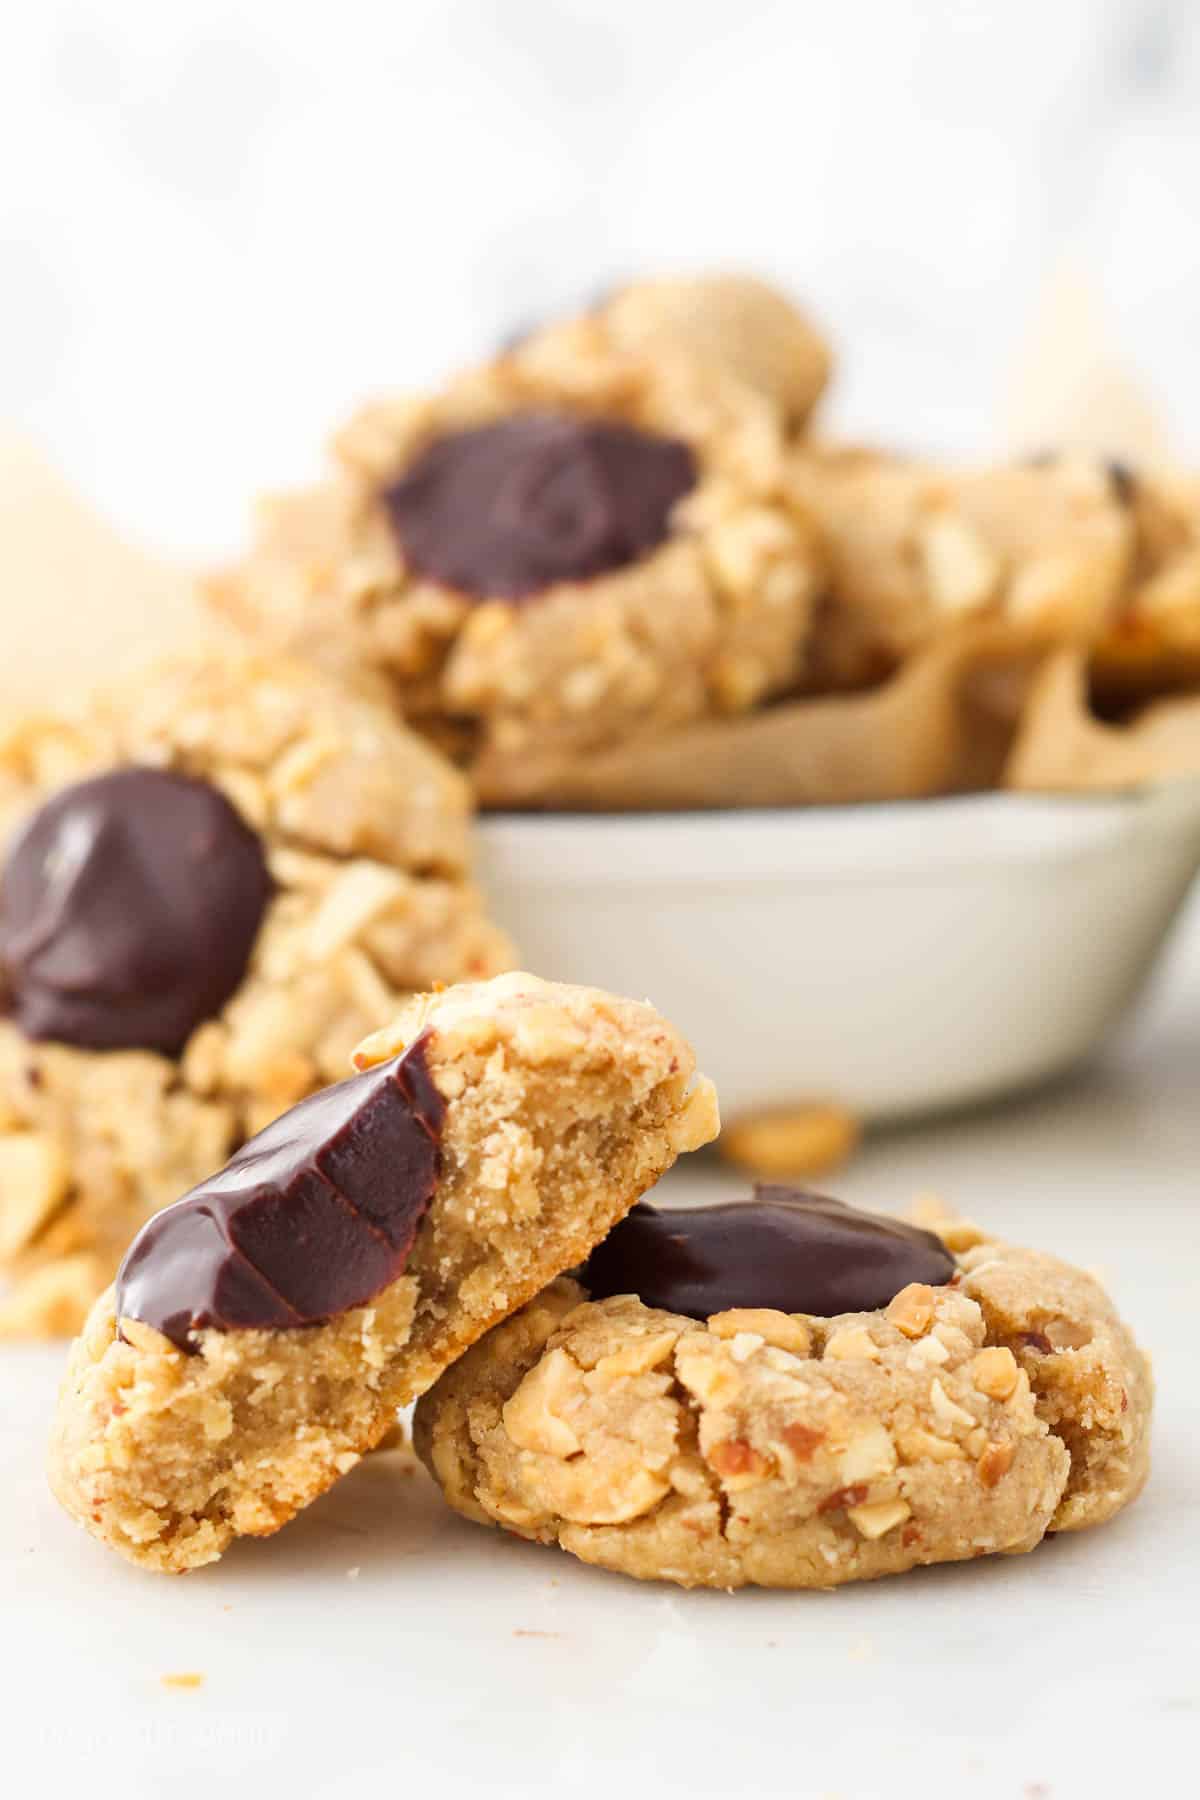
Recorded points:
507,510
314,1216
785,1249
129,906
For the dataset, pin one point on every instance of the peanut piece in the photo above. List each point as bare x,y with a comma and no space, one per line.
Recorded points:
946,1411
995,1463
911,1312
531,1417
780,1329
922,1446
633,1358
853,1343
801,1140
34,1175
867,1456
879,1516
994,1372
962,573
738,1462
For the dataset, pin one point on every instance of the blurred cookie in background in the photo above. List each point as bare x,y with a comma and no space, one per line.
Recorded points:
588,541
748,327
217,875
915,549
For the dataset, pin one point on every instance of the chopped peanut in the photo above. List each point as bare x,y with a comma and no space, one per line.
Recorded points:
994,1372
912,1309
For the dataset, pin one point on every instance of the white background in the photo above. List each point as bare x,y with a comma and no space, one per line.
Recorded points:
221,223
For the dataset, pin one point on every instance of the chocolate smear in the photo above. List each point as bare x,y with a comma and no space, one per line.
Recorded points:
785,1249
314,1216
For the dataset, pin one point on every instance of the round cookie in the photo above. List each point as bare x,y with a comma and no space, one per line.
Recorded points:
915,549
263,1331
1063,549
588,539
792,1393
215,880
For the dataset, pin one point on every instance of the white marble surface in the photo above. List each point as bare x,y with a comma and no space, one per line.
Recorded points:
219,224
379,1643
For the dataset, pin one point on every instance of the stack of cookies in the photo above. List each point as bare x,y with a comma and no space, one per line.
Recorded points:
218,875
612,567
782,1392
617,567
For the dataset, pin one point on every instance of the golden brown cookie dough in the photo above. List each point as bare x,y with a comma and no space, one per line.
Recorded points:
1066,549
758,1446
365,830
734,321
554,1108
915,549
1091,1383
711,620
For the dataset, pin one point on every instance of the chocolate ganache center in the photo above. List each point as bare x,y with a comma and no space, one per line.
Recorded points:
785,1249
314,1216
509,509
129,906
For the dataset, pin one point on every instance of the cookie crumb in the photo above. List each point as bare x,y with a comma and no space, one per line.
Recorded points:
354,1573
188,1679
807,1139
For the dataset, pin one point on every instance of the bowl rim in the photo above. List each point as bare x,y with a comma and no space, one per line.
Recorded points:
963,834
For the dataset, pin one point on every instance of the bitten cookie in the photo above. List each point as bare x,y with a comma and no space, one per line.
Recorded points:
263,1331
793,1393
591,538
215,881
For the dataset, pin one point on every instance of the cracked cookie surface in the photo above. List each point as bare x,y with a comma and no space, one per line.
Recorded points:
557,1108
365,834
711,620
761,1447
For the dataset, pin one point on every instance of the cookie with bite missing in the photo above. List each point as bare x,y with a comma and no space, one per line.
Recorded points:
216,876
789,1392
263,1331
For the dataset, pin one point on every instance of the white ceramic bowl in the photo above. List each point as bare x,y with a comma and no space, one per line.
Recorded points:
898,958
